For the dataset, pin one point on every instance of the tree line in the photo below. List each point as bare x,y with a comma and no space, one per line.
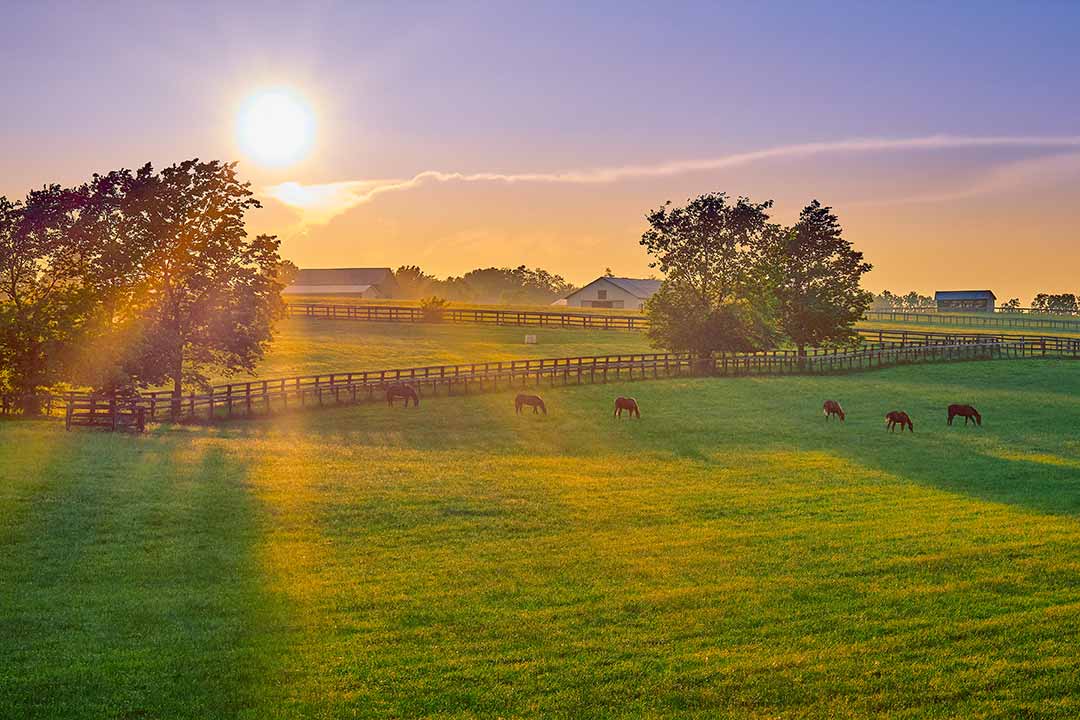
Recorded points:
134,279
735,281
507,286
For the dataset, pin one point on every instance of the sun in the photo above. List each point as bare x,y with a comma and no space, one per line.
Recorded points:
275,127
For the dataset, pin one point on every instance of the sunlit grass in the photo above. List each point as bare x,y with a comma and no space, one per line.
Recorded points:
311,346
730,554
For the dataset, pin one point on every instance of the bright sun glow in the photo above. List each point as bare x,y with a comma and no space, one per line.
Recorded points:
275,127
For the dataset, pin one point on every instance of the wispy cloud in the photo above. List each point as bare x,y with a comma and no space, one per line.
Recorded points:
320,203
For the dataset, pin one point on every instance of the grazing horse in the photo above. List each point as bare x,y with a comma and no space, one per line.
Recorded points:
898,417
831,408
628,404
965,411
533,401
401,390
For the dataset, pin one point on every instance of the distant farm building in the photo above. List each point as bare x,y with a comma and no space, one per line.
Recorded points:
372,283
613,292
965,300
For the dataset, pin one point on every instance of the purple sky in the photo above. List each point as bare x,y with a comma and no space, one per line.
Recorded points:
403,88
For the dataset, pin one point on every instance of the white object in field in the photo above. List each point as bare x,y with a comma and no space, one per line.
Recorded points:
530,339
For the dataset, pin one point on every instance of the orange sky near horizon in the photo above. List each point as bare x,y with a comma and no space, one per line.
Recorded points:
942,219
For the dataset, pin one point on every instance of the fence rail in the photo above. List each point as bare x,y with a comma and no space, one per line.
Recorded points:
880,348
598,321
989,320
408,314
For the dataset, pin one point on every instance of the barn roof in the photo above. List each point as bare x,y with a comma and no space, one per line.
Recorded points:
343,276
643,288
964,295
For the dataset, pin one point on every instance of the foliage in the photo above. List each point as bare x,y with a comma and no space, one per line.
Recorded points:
134,279
1058,303
912,300
413,282
815,274
520,285
45,299
1012,304
714,297
432,308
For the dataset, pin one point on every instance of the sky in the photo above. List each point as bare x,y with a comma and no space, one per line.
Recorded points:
459,135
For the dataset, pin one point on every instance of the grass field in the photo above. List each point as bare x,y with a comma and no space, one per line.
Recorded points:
405,302
311,346
930,327
729,555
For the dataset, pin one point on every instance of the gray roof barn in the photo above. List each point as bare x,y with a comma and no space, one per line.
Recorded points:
344,280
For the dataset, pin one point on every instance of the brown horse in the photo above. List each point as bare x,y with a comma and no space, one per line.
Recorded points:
401,390
898,417
533,401
628,404
831,408
965,411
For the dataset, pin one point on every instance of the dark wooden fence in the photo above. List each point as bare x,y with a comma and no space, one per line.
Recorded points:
880,348
407,314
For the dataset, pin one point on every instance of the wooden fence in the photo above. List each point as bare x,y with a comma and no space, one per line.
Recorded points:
599,321
406,314
884,348
1003,320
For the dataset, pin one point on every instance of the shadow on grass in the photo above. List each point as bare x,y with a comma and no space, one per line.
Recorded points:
131,589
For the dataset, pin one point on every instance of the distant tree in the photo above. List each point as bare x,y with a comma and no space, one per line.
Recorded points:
1012,304
1065,303
212,293
816,275
519,285
887,300
715,296
608,273
414,282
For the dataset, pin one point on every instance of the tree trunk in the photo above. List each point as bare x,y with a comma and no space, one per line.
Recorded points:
178,384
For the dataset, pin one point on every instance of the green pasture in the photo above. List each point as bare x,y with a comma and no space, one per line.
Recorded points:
307,346
731,554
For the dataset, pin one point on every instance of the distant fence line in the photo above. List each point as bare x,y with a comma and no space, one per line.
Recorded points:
600,321
1032,320
881,348
408,314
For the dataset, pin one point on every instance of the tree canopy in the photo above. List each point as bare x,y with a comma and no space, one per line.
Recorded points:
713,252
134,279
737,281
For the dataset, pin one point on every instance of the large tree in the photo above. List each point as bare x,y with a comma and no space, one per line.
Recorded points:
210,293
714,297
815,274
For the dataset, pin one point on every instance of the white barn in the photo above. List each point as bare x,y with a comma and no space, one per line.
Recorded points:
613,292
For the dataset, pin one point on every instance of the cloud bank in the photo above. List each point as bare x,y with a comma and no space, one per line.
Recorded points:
320,203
